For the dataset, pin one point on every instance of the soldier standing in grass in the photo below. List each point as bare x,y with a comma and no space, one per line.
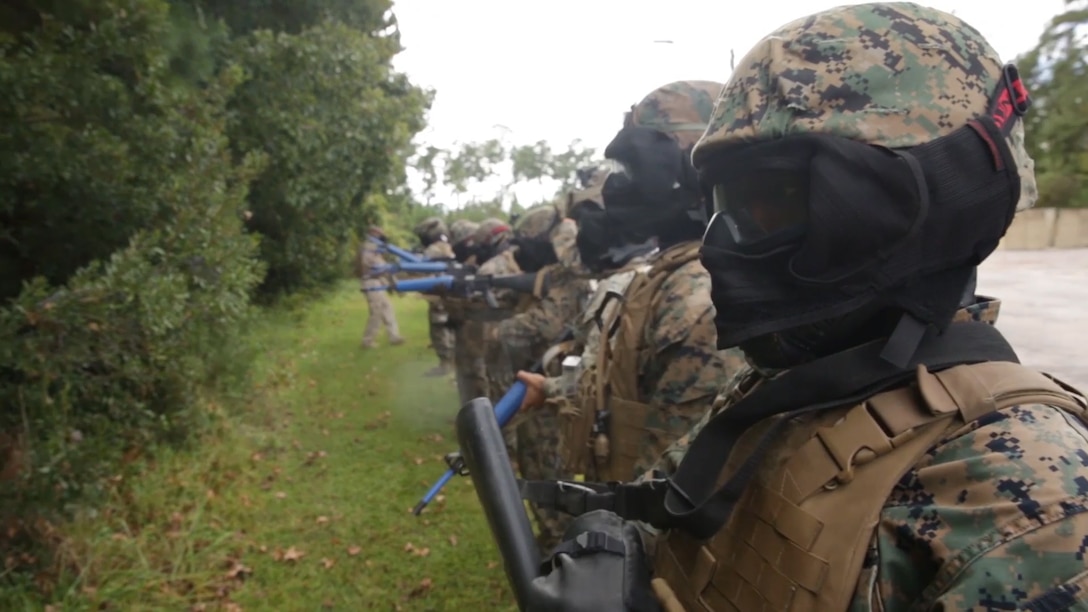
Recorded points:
380,309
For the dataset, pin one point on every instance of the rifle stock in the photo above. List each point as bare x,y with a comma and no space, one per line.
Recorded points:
484,452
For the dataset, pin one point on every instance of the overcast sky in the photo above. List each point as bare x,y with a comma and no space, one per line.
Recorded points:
564,69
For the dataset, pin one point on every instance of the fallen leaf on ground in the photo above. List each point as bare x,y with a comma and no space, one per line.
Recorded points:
419,552
321,520
327,563
382,420
293,554
238,571
424,586
453,540
354,550
418,461
280,495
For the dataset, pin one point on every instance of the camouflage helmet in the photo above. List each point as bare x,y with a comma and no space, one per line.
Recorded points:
680,109
491,232
431,229
590,195
902,76
537,222
461,230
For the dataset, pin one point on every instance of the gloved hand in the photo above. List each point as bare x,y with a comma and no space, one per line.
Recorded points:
599,567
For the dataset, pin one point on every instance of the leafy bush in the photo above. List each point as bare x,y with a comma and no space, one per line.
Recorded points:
332,117
122,213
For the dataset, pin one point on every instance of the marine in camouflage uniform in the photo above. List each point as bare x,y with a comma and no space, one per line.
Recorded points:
672,361
379,308
434,236
495,240
541,234
462,238
910,462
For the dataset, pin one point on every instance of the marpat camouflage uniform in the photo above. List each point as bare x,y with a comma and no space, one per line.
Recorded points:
441,334
526,336
679,379
462,232
380,309
994,516
961,528
498,372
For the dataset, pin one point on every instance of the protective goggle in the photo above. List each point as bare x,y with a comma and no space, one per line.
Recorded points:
769,200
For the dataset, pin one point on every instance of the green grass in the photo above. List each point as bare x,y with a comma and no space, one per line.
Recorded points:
300,499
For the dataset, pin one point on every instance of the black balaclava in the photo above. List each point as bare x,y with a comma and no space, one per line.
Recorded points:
821,243
651,198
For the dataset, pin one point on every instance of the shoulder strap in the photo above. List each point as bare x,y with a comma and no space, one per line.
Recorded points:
693,504
887,420
996,381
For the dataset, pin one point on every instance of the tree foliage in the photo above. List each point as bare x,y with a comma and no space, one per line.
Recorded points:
157,157
1057,126
332,118
474,166
127,271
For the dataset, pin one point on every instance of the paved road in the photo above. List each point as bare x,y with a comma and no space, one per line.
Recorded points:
1044,295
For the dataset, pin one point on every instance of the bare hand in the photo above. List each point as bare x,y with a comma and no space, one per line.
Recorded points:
534,390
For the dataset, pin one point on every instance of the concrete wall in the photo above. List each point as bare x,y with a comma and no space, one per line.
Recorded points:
1048,228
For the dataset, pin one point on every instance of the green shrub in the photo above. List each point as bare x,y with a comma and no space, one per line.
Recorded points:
122,213
331,116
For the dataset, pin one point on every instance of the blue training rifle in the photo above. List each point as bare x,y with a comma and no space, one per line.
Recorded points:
403,254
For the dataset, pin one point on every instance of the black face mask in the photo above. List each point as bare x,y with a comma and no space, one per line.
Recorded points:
595,237
603,245
651,199
532,255
814,237
463,250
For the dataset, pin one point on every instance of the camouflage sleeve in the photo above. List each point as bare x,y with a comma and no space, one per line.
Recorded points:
555,388
564,241
545,320
669,460
438,250
500,265
372,258
686,369
993,518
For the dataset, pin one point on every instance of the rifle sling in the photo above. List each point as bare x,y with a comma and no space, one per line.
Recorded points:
688,500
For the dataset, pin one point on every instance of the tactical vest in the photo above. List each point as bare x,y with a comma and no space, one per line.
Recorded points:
798,536
610,384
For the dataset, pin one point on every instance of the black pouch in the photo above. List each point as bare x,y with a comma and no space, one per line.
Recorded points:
599,567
